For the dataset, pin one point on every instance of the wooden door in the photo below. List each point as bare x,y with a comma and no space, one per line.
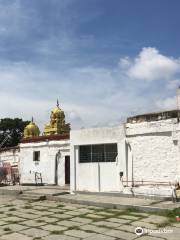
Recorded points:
67,169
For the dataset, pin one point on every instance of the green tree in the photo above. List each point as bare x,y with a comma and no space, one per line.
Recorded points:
12,131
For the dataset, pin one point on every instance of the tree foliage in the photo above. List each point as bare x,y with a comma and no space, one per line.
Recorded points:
12,131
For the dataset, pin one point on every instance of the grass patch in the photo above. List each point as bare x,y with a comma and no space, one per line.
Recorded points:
57,232
60,205
12,209
74,228
170,214
9,214
39,221
9,205
28,207
7,229
89,231
164,224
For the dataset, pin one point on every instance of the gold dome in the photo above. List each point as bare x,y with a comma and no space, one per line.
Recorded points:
31,130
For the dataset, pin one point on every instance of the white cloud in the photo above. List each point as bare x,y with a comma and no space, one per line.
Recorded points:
151,65
173,84
167,103
90,96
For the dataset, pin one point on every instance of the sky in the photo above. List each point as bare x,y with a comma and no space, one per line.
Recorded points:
104,60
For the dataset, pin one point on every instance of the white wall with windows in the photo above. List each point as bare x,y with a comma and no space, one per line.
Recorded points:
46,158
97,158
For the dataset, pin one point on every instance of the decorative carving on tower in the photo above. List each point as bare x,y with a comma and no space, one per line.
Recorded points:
31,130
57,124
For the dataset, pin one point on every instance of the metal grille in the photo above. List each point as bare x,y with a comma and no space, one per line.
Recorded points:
98,153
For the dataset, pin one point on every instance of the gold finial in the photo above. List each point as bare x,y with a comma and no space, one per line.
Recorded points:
57,103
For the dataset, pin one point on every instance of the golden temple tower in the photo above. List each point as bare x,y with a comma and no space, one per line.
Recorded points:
57,124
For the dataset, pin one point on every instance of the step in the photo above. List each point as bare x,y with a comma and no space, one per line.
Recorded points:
31,197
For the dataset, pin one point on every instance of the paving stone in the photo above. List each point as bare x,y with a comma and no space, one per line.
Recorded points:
94,228
27,215
33,223
141,214
94,216
41,208
60,237
107,224
85,210
81,220
2,232
69,223
172,235
176,224
151,238
129,217
55,210
16,236
62,216
49,219
100,237
144,224
105,213
119,220
3,223
155,219
78,233
120,234
69,208
128,228
51,227
34,232
14,219
16,227
73,213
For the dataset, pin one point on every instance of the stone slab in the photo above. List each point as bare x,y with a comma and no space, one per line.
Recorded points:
16,236
78,233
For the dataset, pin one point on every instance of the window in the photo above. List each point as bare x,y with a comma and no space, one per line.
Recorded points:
36,156
98,153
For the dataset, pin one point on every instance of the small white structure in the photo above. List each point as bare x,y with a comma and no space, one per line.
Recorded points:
147,157
9,156
47,157
97,159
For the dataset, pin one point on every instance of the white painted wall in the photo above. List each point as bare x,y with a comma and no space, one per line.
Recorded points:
153,154
46,165
97,176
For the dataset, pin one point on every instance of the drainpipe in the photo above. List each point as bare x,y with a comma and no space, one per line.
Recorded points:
99,178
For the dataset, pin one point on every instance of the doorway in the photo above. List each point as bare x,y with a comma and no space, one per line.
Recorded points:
67,169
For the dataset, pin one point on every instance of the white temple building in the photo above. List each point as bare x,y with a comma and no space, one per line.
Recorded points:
139,157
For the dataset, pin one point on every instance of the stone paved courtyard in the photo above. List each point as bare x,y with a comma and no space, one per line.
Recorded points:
49,220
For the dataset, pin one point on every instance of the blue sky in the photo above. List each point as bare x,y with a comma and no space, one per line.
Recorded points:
104,60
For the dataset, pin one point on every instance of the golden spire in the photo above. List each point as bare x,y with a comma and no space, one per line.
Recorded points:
57,103
57,123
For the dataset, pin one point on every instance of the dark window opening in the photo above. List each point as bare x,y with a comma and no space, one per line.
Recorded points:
36,156
98,153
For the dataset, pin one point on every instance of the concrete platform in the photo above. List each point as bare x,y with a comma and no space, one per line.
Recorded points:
147,205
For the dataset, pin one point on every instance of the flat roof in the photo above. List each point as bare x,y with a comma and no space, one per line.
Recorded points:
154,116
46,138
